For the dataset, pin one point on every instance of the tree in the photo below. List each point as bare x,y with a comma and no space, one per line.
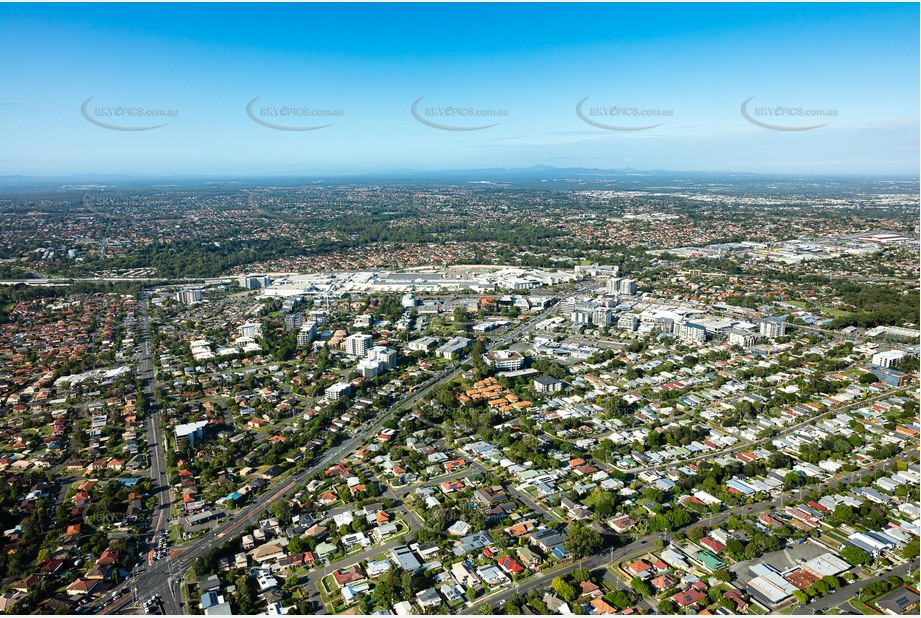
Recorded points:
801,596
868,378
582,574
385,591
581,541
855,556
244,596
641,587
619,599
910,551
460,315
723,576
563,588
735,548
695,534
792,479
832,582
604,503
844,513
298,545
667,606
715,594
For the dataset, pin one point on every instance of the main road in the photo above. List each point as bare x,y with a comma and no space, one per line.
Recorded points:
155,438
163,577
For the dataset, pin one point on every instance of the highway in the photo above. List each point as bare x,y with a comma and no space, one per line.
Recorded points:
163,577
69,280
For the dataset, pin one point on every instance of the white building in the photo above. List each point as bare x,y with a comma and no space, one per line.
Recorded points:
187,297
357,344
423,344
741,338
384,355
294,321
603,317
889,358
253,282
193,432
773,327
338,391
504,360
690,331
547,385
452,347
251,329
307,333
370,368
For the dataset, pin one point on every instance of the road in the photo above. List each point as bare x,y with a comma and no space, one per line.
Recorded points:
70,280
155,437
163,576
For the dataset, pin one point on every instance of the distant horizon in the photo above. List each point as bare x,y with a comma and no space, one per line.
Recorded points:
279,90
435,173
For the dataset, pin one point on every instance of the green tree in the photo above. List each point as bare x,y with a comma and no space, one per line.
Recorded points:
563,588
282,509
855,555
619,599
667,606
844,513
581,574
244,596
581,541
723,576
832,582
910,551
641,587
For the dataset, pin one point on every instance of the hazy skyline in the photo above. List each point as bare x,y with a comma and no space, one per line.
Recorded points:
69,66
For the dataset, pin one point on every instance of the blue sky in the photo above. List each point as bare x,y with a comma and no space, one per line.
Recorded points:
696,64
